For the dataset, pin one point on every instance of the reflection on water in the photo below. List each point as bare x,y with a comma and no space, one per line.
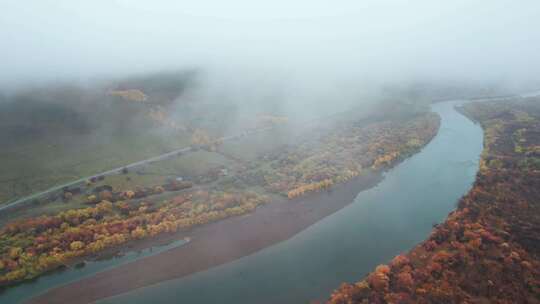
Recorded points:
382,222
27,290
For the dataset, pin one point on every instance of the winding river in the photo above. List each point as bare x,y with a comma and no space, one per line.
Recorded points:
382,222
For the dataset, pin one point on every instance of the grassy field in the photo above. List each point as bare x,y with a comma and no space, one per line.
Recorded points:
41,164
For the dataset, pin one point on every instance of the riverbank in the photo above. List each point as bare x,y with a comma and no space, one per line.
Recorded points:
487,251
326,156
310,264
214,244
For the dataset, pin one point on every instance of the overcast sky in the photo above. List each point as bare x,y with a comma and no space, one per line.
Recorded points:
372,39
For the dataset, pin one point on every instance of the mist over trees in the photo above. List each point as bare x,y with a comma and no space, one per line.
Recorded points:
309,48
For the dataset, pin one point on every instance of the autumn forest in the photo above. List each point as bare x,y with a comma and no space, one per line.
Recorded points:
487,251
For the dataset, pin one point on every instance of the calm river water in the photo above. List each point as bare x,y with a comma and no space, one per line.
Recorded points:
382,222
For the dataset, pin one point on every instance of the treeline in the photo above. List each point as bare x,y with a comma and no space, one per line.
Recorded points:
33,246
341,154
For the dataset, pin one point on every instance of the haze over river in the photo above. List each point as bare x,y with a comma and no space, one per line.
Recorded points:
382,222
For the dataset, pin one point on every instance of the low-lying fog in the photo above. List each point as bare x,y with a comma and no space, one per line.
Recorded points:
303,52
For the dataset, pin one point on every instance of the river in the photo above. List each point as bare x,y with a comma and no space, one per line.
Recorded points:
382,222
